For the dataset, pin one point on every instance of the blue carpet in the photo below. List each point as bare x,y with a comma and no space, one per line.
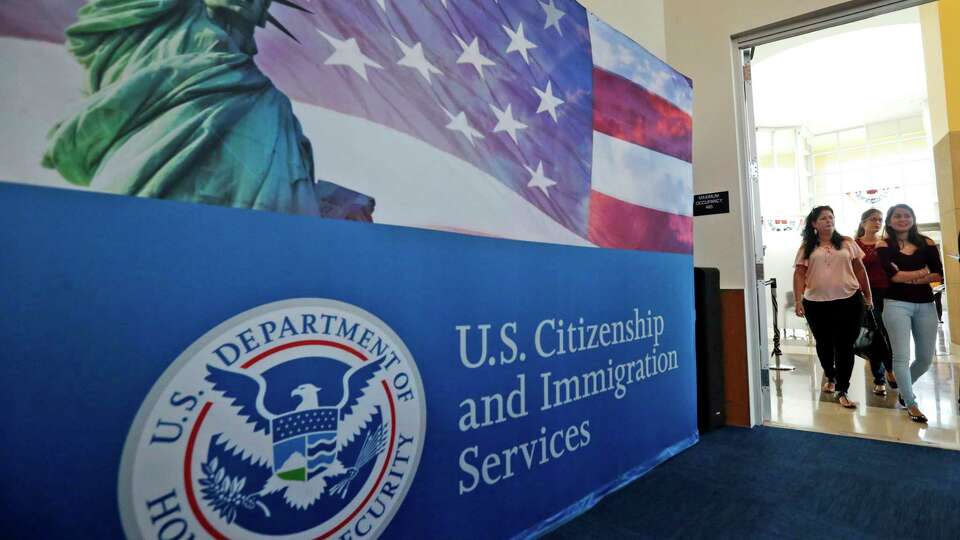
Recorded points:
782,483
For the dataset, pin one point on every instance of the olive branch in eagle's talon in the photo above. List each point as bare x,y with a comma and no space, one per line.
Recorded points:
225,493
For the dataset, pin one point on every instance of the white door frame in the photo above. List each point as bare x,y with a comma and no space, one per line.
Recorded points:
757,354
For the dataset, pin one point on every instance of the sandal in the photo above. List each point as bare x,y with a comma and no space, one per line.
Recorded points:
845,402
918,418
830,387
892,380
880,390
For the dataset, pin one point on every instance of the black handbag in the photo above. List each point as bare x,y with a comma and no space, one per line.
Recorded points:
869,335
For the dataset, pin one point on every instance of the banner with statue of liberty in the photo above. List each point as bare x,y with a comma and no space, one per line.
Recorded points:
462,363
529,120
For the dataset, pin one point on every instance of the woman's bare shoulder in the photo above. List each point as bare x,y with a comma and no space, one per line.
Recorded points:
929,241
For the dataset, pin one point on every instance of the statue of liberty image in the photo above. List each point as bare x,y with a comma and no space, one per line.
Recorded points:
177,109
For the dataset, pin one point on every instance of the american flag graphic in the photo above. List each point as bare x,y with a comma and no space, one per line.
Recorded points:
525,119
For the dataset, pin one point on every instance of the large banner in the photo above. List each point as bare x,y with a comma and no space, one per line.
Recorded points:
525,119
180,371
201,370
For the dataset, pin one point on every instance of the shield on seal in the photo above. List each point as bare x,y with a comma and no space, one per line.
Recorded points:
304,442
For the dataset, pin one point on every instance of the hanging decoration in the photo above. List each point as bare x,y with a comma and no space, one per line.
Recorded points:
783,223
873,195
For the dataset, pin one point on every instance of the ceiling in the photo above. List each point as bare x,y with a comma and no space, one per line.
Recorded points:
845,76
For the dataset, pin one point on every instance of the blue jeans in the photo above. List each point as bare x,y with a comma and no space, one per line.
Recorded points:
901,319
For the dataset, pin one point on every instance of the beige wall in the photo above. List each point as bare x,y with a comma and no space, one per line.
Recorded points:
642,20
949,12
698,44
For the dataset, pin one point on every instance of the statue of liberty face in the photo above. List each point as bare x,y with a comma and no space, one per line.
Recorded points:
239,19
251,12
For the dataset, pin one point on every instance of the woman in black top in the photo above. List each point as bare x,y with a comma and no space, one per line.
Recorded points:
912,262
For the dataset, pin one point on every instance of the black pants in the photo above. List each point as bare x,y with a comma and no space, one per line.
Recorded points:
835,325
881,358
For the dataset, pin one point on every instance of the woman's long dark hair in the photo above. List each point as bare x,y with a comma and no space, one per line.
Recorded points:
863,217
810,237
913,235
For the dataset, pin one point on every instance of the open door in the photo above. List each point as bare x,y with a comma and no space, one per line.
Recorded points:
756,284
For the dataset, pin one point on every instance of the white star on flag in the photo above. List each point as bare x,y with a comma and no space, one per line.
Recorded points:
519,42
506,122
471,55
539,180
461,124
347,53
413,57
553,16
548,101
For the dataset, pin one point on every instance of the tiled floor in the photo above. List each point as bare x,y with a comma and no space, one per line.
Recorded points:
797,401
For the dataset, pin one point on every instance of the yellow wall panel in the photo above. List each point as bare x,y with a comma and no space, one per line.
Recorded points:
950,41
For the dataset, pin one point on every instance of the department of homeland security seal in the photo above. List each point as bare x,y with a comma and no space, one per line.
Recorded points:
298,419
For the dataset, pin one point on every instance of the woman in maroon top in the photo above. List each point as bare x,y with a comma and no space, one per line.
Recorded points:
912,262
881,362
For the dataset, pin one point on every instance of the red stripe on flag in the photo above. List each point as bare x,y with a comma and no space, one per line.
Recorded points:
618,224
627,111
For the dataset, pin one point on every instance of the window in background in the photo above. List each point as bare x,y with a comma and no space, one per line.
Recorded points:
875,165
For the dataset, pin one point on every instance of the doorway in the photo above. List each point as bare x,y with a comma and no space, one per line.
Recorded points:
837,114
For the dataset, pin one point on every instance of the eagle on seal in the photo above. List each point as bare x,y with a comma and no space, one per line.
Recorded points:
306,440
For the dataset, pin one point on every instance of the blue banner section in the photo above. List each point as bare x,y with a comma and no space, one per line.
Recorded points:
173,369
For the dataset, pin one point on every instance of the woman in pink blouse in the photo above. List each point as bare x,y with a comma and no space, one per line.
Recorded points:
830,277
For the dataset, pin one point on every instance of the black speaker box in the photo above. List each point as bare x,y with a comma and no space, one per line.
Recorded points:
709,331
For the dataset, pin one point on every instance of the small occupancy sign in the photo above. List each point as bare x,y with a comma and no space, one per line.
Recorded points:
705,204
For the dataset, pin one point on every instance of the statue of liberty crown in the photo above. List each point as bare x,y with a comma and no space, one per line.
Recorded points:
289,3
